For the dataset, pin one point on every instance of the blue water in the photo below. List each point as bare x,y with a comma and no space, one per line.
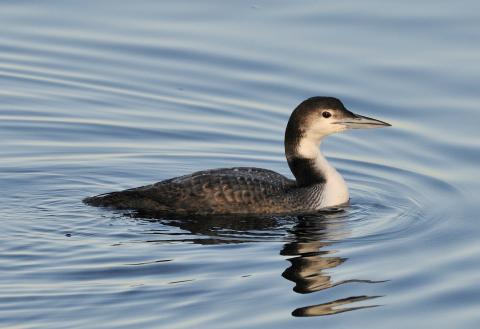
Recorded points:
102,96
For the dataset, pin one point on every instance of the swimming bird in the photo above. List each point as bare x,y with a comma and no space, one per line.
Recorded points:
247,190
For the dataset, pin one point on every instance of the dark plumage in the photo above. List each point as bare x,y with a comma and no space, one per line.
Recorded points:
217,191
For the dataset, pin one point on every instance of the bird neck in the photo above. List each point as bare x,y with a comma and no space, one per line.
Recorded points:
307,162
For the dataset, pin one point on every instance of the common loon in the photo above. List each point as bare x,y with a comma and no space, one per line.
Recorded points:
244,190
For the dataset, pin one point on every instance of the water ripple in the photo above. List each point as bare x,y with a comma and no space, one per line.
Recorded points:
101,96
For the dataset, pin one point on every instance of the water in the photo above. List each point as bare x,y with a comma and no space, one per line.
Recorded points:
102,96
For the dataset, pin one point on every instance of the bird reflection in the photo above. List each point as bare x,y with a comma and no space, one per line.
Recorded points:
307,239
307,269
310,264
225,229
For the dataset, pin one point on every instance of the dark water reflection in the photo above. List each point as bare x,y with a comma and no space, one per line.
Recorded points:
305,236
310,265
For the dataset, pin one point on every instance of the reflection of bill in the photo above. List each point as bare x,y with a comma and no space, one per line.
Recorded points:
333,307
309,264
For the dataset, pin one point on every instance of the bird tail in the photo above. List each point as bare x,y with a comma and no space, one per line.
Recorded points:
118,200
128,199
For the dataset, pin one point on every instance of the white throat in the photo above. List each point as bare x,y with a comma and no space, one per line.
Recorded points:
335,190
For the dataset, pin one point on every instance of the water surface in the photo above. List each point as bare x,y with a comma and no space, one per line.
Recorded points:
102,96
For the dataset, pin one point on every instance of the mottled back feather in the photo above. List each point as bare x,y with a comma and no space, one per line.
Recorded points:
239,190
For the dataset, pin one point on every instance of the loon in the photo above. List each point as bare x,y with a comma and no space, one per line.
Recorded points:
256,191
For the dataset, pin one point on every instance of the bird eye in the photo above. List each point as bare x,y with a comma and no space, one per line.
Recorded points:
326,114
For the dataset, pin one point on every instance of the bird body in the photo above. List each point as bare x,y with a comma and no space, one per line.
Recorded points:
245,190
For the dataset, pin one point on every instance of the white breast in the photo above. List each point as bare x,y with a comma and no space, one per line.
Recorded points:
335,191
